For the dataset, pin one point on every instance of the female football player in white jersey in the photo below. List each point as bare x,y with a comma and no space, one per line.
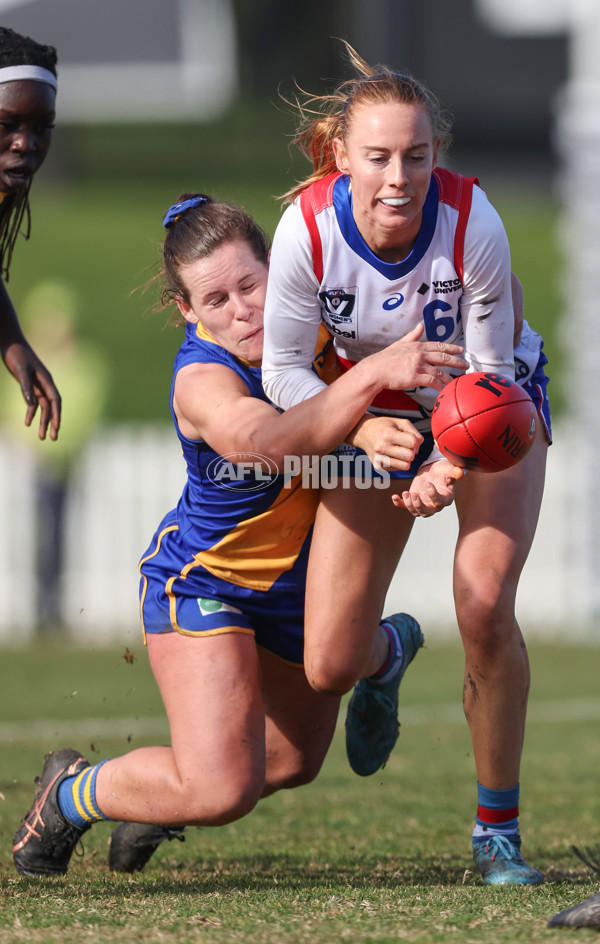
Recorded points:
380,239
27,102
223,580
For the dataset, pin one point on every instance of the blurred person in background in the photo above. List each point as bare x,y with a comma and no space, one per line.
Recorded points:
49,316
222,582
27,113
379,239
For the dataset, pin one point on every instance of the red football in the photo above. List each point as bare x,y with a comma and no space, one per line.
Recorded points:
484,422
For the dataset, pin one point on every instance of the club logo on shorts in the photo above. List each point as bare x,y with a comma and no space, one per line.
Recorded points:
215,606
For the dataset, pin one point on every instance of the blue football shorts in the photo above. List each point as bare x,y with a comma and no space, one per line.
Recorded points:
179,595
537,388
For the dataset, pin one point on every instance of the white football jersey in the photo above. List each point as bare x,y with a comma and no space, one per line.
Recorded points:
456,281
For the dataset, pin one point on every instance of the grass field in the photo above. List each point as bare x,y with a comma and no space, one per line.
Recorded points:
381,859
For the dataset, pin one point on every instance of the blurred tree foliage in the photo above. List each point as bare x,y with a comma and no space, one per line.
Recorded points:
288,40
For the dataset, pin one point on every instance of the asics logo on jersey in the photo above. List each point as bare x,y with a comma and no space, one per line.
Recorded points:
394,301
338,303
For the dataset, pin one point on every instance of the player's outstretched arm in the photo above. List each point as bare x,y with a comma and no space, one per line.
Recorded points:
211,403
35,380
333,414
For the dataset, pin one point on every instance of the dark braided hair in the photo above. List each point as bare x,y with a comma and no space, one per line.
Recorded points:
18,50
13,208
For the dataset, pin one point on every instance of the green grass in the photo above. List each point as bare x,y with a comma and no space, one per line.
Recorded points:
381,859
97,228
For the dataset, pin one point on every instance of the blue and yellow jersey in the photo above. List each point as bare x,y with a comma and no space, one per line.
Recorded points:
232,555
245,523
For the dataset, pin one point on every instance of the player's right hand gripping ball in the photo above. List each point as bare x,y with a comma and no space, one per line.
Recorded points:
484,422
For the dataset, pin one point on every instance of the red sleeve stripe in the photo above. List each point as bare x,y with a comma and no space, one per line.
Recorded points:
312,200
457,191
461,226
313,232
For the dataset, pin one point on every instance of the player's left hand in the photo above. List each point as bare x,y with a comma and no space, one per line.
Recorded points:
37,386
390,442
431,489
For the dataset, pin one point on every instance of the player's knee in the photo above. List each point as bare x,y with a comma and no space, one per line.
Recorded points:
297,779
239,803
230,801
331,679
485,608
487,630
309,770
300,770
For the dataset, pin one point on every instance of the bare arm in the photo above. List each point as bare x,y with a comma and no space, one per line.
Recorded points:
34,379
233,422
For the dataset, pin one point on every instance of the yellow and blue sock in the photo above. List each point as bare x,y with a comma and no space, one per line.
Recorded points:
497,813
77,798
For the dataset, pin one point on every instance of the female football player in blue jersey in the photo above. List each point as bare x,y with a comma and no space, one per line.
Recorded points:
222,582
380,239
27,112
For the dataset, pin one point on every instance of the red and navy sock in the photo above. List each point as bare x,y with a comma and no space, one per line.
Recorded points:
497,813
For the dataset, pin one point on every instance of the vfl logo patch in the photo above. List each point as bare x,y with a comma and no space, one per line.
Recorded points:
338,304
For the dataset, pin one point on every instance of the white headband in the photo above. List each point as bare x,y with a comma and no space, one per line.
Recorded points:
35,73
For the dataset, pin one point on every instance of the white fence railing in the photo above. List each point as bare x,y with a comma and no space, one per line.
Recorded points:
128,477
